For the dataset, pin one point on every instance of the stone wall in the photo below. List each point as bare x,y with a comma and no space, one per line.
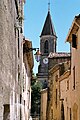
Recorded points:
43,104
10,44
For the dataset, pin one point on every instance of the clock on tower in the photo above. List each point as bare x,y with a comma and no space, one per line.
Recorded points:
45,60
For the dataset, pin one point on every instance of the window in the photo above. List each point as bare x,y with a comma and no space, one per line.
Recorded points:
6,112
20,98
74,77
67,84
15,32
18,73
24,105
62,111
15,98
46,47
70,114
23,88
56,78
56,98
52,114
74,41
18,43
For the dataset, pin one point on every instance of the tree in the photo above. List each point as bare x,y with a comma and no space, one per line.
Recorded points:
36,87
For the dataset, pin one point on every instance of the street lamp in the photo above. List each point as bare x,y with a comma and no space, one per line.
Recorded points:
38,55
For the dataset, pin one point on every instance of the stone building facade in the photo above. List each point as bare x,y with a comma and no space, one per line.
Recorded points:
73,38
67,84
54,101
65,98
43,104
11,61
27,75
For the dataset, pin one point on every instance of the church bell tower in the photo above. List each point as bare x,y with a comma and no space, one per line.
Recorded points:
48,40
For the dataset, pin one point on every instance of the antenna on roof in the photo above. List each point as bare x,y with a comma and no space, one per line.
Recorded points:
48,5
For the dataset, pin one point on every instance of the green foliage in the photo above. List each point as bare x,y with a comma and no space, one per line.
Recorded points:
35,96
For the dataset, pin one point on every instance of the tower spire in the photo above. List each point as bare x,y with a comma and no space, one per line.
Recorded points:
48,5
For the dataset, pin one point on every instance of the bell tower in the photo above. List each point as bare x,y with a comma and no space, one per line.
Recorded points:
48,40
48,36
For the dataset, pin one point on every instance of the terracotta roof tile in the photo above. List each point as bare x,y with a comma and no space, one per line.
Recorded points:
59,54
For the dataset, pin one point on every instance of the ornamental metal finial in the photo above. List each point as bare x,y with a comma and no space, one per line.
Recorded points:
48,5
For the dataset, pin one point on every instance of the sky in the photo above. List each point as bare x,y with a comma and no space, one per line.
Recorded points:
62,14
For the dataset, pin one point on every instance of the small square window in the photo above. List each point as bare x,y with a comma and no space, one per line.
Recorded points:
74,77
74,41
68,85
56,78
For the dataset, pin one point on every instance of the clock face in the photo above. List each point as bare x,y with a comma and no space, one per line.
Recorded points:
45,60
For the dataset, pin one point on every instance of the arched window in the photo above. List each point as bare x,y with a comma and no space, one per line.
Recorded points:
46,47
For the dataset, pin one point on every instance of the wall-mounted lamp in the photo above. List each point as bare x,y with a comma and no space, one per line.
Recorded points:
27,48
38,55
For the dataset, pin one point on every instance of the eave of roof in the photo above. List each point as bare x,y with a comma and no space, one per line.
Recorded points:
29,55
74,28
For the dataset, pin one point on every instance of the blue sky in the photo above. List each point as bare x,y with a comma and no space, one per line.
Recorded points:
62,14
